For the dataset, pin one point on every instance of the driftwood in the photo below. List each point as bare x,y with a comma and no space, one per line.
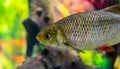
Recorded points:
52,58
39,17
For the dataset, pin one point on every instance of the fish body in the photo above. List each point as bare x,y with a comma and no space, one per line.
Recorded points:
86,30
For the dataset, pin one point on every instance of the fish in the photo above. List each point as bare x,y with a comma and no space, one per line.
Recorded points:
85,30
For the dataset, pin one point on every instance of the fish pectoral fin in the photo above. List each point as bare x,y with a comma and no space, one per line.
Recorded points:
114,9
73,46
60,36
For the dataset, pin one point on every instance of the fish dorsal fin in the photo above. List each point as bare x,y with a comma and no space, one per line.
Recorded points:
113,9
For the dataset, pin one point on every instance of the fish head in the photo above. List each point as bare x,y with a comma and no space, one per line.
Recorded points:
48,36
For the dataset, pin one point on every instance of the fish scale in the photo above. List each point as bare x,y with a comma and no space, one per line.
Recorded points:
92,27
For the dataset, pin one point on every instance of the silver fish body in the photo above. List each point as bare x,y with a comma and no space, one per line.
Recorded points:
91,29
86,30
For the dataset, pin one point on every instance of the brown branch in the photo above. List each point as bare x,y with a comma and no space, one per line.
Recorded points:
52,58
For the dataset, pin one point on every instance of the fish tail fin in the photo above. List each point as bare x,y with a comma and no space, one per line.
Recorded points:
113,9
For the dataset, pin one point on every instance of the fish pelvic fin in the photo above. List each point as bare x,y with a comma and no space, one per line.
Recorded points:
113,9
73,46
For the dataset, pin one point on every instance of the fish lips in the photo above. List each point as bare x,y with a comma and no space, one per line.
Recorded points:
38,37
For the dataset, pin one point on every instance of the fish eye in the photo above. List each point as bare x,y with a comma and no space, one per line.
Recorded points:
47,36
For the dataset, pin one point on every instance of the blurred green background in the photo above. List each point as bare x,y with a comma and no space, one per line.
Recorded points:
12,32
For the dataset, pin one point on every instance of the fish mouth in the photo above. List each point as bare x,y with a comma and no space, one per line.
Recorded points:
38,38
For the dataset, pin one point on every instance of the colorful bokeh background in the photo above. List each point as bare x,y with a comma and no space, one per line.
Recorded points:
13,34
